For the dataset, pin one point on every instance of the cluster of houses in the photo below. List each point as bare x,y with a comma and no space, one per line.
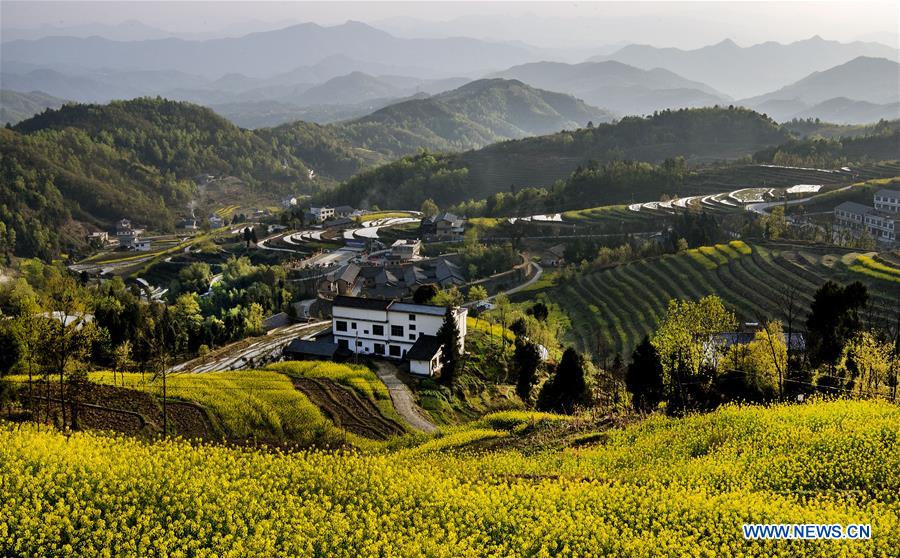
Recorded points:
879,221
383,328
389,281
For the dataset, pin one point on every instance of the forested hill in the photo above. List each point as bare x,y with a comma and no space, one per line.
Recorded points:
95,164
475,115
698,135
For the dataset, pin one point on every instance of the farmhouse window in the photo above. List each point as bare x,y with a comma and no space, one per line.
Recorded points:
396,331
377,330
340,325
395,350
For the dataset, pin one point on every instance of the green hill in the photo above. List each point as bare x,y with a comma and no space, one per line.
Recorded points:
512,484
472,116
613,308
698,135
140,158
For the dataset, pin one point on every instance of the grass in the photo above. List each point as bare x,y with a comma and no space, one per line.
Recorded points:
488,328
356,377
659,487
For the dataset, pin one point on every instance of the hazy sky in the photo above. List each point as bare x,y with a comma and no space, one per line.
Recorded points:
563,24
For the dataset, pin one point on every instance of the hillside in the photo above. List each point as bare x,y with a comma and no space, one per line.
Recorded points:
751,70
615,86
482,490
613,309
15,106
699,135
472,116
872,80
97,163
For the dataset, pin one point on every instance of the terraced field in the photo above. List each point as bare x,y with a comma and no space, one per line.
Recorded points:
612,309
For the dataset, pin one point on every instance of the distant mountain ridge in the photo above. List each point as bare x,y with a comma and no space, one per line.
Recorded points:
616,86
266,53
15,106
747,71
874,83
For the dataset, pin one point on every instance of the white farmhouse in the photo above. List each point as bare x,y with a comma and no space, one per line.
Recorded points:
321,214
394,330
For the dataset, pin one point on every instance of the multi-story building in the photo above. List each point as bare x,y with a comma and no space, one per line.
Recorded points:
853,220
394,330
887,200
321,214
443,227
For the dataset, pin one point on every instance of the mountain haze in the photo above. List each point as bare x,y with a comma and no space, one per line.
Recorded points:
615,86
747,71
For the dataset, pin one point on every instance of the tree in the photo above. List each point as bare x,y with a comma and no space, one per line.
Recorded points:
70,336
253,238
539,311
644,377
685,345
448,297
425,293
519,327
476,293
122,358
247,236
833,320
448,335
429,208
526,361
867,363
567,389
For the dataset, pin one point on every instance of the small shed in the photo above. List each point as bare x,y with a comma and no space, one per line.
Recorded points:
425,356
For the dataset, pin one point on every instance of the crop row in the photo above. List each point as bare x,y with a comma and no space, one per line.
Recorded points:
617,306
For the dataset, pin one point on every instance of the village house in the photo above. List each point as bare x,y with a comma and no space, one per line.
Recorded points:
394,330
555,256
216,222
405,249
442,227
126,234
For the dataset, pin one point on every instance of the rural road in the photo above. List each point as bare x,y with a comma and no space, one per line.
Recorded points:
763,207
403,398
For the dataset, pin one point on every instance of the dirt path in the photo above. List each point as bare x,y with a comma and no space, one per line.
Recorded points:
403,398
347,409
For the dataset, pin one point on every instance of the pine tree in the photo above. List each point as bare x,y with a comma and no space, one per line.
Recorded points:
568,387
644,377
450,354
527,360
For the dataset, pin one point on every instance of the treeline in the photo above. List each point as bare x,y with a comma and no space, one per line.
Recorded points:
592,160
880,142
55,326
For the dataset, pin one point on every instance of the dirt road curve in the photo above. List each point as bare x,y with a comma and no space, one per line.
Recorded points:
403,398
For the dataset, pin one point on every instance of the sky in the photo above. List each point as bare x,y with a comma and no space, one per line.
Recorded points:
546,24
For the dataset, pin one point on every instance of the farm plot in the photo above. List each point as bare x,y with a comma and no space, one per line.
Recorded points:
612,309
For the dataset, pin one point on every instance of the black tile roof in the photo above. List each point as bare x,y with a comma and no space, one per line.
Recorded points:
425,347
311,348
361,303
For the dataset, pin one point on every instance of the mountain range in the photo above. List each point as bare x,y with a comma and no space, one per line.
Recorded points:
742,72
855,91
266,53
15,106
618,87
